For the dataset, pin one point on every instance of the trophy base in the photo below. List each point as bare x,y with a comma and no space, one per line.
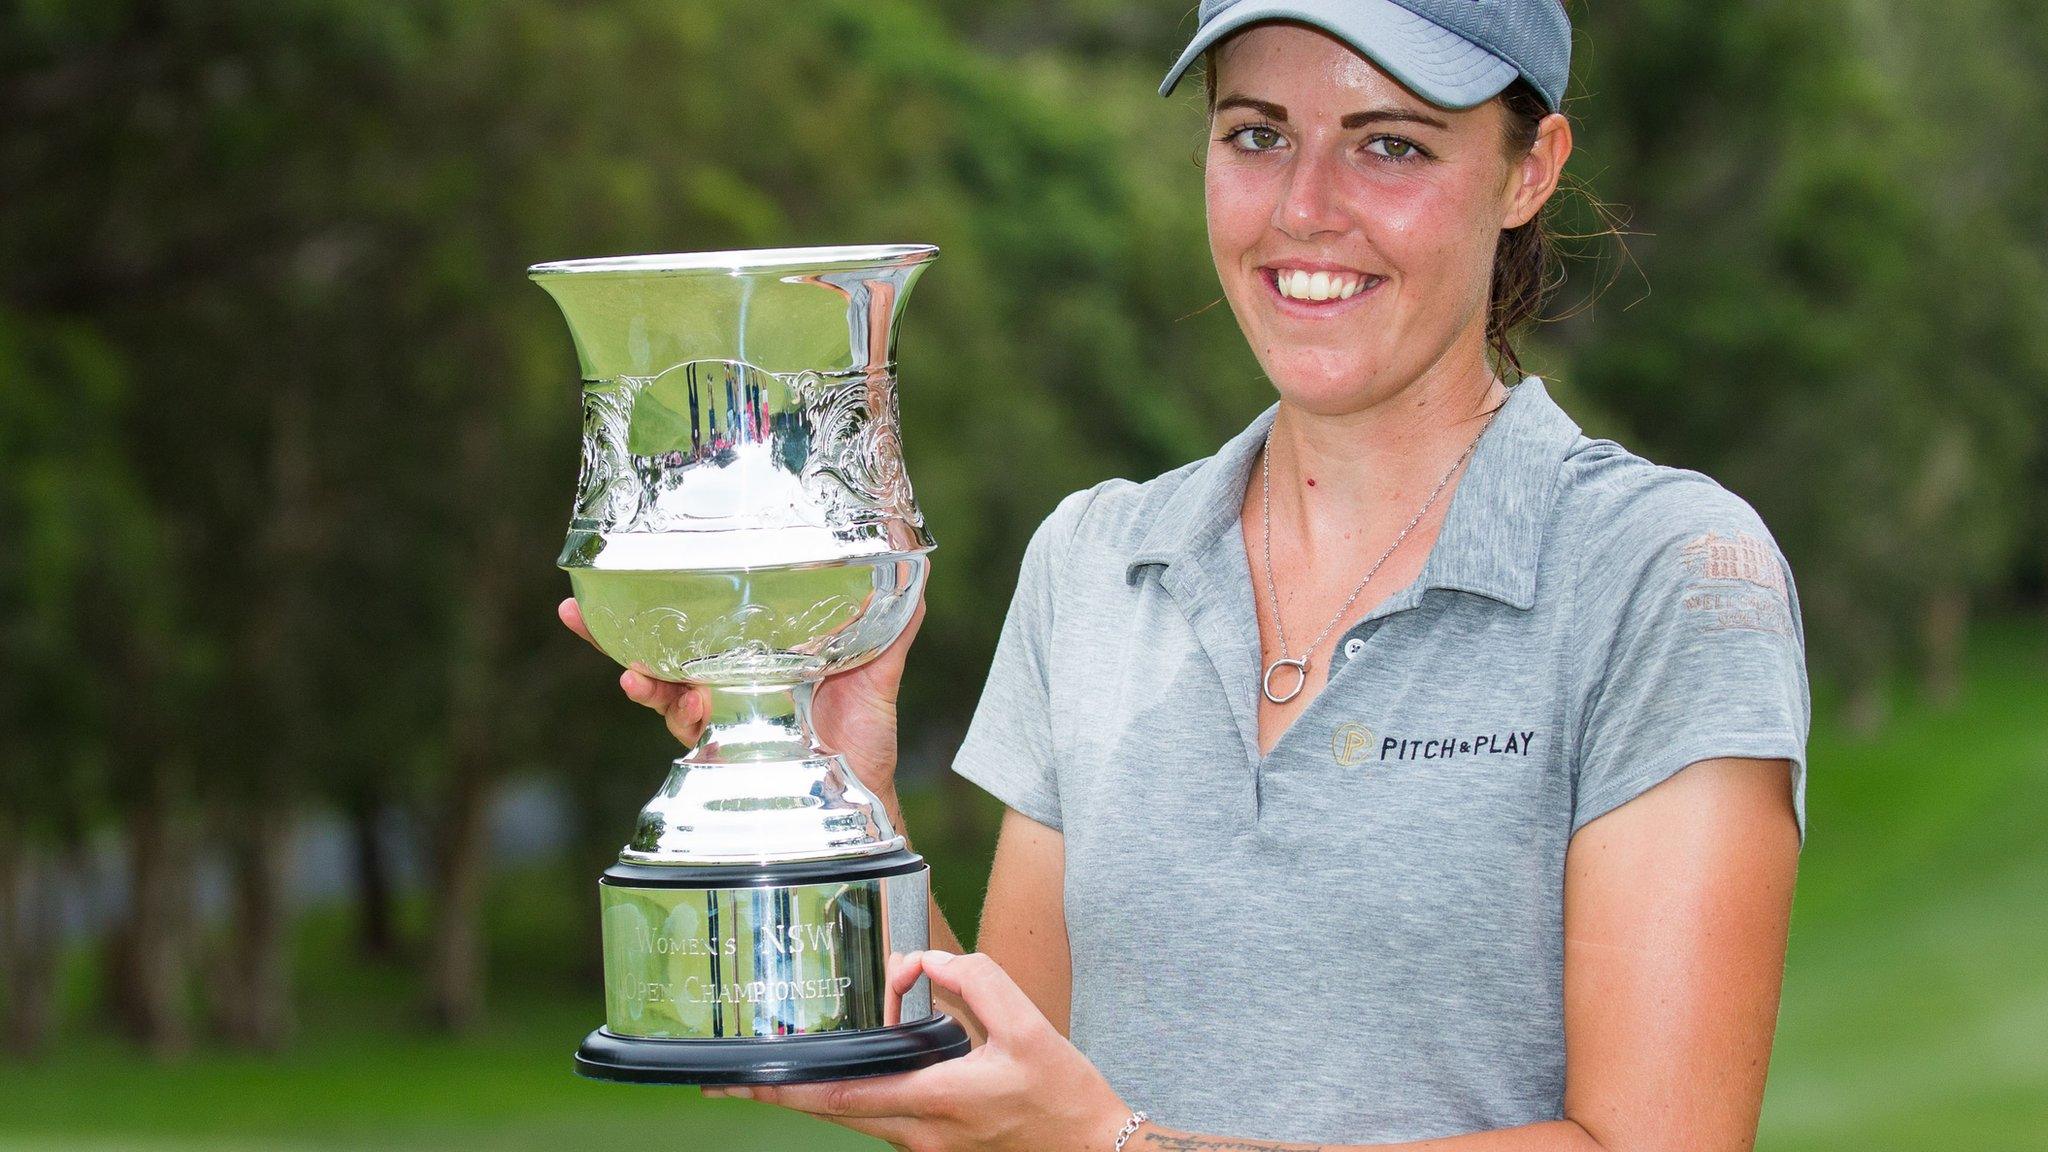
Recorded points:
764,973
772,1059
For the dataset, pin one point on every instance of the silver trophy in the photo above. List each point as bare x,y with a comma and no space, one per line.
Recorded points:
743,521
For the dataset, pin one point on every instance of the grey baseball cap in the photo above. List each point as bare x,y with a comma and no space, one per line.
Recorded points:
1452,53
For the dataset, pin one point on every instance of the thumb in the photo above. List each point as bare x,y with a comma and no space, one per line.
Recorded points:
893,657
1002,1008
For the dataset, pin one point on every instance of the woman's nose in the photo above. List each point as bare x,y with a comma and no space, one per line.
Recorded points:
1310,204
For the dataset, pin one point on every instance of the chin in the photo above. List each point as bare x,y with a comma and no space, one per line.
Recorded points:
1326,385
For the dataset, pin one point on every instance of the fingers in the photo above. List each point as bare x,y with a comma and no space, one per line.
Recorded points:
663,696
899,649
906,1094
684,707
903,971
892,996
877,683
985,988
900,972
916,622
896,1131
571,615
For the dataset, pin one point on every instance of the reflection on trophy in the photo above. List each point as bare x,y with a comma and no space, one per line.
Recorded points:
743,521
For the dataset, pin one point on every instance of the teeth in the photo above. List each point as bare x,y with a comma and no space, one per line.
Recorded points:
1301,284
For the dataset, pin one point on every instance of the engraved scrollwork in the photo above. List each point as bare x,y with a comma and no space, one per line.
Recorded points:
856,464
656,449
606,492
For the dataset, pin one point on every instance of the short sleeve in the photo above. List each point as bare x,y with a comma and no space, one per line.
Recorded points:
1697,651
1009,747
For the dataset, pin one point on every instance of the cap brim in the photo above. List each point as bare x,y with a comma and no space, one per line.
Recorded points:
1435,63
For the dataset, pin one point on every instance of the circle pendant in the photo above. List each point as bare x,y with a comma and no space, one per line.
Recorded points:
1300,679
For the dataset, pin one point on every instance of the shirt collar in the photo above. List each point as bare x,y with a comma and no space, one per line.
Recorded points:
1492,533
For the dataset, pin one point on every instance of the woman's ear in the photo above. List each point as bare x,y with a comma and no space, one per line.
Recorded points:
1535,176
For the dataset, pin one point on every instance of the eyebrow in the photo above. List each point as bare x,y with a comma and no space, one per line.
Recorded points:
1383,115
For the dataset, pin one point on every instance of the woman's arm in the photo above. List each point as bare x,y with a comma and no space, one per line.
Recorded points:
1676,910
1023,919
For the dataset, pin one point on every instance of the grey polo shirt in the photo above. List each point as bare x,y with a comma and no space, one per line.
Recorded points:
1359,937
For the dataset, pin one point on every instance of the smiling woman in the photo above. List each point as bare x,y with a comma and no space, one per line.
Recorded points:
1501,856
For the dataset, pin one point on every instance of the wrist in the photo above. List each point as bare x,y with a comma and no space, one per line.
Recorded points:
892,807
1128,1124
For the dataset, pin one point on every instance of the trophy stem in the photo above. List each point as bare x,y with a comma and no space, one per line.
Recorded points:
755,723
758,787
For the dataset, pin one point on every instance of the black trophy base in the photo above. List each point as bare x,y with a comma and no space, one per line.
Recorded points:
772,1059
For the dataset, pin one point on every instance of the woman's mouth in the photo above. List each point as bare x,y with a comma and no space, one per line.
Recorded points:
1317,291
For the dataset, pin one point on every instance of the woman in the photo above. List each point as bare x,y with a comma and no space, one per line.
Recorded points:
1415,768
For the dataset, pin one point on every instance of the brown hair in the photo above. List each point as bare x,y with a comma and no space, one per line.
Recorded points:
1526,263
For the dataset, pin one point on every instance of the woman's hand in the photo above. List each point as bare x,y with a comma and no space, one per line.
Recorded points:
854,712
1026,1089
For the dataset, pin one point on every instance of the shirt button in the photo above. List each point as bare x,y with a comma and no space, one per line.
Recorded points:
1353,647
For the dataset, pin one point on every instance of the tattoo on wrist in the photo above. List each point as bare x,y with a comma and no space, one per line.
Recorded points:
1181,1142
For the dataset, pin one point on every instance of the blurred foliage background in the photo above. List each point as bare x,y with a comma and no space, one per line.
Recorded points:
287,443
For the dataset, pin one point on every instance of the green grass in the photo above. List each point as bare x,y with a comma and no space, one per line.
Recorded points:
1915,1013
364,1073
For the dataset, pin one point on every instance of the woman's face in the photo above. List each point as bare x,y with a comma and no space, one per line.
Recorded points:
1325,177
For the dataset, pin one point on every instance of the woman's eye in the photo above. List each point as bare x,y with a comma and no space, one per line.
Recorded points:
1396,147
1256,138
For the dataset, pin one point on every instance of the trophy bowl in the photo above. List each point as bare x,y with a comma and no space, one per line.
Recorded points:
743,521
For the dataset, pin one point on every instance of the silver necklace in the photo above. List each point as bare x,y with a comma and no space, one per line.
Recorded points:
1300,665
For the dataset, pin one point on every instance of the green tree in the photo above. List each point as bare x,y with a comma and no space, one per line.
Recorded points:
1834,329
